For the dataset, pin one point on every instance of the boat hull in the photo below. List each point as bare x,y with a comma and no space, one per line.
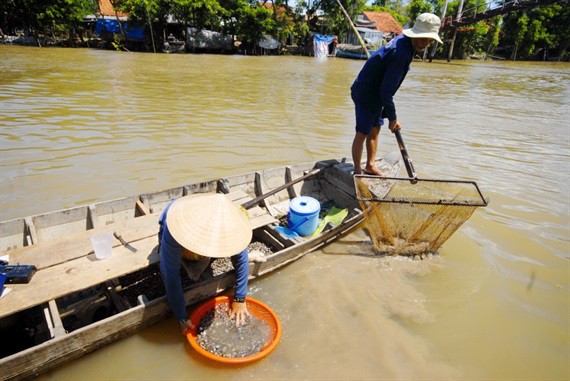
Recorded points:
353,55
64,338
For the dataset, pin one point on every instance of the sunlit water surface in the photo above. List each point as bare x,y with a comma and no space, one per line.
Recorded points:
81,126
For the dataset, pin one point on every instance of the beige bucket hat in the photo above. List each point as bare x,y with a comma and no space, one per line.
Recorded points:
209,224
426,26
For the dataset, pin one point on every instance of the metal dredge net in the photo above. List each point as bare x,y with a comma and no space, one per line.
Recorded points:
411,219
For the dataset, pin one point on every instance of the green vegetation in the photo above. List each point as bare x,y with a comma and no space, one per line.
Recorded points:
48,17
538,33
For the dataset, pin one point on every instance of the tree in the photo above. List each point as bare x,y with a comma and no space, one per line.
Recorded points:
53,17
473,39
252,23
470,39
531,31
230,12
283,18
491,39
417,7
396,6
202,14
334,21
558,23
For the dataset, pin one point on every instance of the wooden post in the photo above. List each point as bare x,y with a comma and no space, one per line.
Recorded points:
53,320
143,205
450,52
151,32
459,12
92,217
32,237
434,49
114,3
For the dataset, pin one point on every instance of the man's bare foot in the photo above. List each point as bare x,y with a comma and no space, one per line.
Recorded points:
373,170
357,171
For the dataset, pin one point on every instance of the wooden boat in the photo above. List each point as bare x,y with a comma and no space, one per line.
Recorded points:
76,304
359,55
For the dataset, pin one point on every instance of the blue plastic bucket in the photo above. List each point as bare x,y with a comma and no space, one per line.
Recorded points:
303,216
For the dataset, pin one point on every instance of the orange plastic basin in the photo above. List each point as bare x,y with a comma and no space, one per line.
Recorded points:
258,309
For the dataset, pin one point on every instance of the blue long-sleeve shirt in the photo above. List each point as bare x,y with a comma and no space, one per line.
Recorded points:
383,74
170,258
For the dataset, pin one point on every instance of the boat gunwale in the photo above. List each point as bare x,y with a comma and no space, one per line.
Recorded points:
29,362
157,192
246,180
45,356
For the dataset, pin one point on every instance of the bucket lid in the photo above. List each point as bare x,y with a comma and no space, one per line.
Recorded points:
304,205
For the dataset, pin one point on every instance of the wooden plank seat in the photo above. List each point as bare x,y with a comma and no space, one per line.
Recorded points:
259,217
45,254
69,265
49,253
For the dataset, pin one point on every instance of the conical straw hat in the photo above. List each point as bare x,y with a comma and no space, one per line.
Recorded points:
209,224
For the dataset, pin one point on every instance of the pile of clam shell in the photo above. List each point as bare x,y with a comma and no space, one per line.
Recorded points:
223,265
218,334
261,247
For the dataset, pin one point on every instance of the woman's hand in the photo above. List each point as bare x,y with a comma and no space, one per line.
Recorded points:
239,310
186,326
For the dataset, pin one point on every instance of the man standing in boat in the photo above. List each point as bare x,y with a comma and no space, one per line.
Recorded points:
374,88
201,227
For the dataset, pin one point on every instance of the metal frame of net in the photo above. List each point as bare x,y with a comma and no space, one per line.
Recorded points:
414,218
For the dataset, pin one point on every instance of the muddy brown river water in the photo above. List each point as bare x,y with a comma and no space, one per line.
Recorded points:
80,126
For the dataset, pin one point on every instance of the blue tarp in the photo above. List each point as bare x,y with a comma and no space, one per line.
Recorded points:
327,39
112,26
321,45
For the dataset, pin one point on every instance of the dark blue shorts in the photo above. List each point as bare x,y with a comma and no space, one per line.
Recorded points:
366,118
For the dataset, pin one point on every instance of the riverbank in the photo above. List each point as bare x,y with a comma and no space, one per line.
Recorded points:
46,41
176,46
179,47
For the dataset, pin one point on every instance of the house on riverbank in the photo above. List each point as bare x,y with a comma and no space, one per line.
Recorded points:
182,36
375,28
380,21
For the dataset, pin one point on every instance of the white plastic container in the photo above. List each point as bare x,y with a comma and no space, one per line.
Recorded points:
102,244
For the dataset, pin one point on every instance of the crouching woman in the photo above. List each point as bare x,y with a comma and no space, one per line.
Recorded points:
200,228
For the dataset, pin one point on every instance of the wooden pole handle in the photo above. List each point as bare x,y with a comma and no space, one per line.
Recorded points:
407,159
250,204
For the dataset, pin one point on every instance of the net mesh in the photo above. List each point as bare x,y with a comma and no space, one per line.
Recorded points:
412,219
